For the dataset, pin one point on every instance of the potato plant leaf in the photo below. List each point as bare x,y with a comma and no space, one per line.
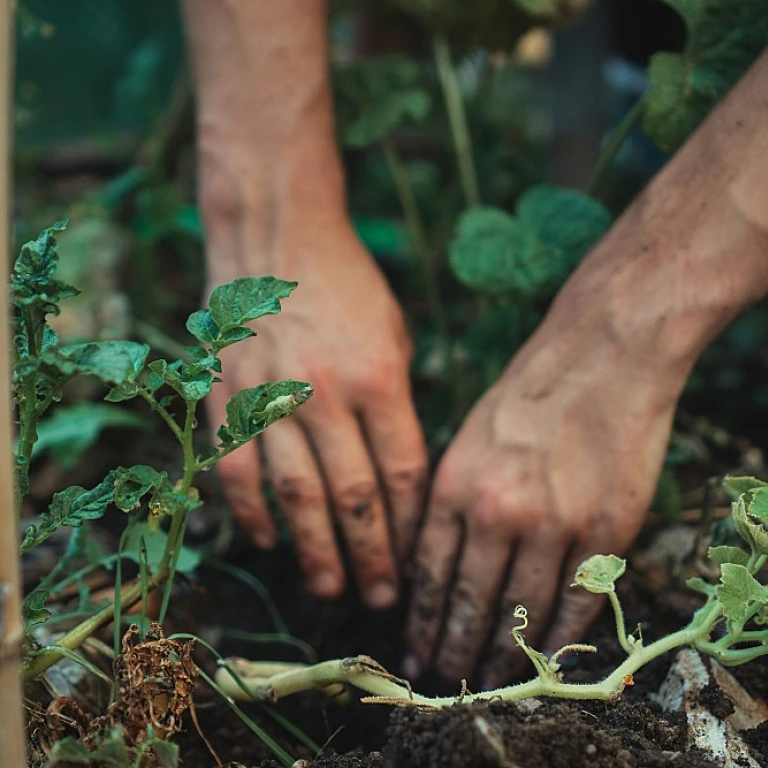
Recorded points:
738,592
72,507
111,751
599,573
114,362
131,484
33,609
528,256
246,299
192,384
250,411
726,554
376,96
724,38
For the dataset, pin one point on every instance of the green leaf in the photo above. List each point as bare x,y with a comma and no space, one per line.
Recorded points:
155,541
33,609
73,429
725,554
71,507
246,299
133,483
111,751
528,256
166,753
724,38
114,362
738,592
735,486
750,517
373,97
697,584
757,504
599,573
190,383
202,326
250,411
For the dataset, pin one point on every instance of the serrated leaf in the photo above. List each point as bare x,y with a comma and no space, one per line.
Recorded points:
735,486
114,362
155,541
250,411
697,584
725,554
33,609
738,592
131,484
71,507
757,504
598,573
72,429
723,38
375,96
530,255
110,751
246,299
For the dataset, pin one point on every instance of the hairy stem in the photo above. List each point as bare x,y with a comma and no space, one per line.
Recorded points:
621,631
614,144
457,119
163,413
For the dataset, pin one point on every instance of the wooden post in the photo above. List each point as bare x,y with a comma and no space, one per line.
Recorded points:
12,737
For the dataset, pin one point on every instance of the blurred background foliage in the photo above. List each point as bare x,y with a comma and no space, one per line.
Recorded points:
105,134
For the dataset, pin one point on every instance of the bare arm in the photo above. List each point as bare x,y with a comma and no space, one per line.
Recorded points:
560,458
272,196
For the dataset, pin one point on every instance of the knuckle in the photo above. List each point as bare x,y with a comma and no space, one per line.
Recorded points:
355,498
299,491
405,479
383,377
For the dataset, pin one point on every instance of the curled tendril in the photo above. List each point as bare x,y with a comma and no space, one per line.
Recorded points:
520,613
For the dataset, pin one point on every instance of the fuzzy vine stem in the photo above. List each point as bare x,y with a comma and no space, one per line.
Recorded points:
621,631
613,145
457,120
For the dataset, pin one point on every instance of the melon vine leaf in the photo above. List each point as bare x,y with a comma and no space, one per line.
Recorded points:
723,38
528,256
599,573
739,592
71,507
250,411
726,554
735,486
376,96
697,584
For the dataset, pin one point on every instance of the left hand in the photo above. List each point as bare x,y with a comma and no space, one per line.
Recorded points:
557,462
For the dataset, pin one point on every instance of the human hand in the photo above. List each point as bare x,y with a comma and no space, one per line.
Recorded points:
557,462
354,453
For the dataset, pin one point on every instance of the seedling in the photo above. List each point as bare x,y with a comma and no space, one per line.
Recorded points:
729,627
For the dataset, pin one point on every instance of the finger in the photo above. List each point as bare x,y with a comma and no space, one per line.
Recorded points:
577,608
240,475
397,444
358,505
437,551
301,496
481,571
533,584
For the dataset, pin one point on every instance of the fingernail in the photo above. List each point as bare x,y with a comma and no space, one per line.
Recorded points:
325,584
381,595
411,667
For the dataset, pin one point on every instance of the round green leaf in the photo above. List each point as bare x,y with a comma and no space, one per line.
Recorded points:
599,573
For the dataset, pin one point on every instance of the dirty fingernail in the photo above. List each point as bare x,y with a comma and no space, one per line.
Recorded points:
325,584
381,595
411,667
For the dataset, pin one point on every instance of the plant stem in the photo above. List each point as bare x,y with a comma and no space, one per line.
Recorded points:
621,631
613,145
457,119
167,418
417,233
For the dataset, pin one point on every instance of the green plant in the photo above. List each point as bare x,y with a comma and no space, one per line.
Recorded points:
43,367
729,626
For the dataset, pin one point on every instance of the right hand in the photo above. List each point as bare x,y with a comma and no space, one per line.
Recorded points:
354,453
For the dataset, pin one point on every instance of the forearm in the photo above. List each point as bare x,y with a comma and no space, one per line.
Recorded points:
267,153
692,251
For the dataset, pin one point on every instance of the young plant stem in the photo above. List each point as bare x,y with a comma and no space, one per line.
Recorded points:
163,413
613,145
12,737
416,230
621,631
457,120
